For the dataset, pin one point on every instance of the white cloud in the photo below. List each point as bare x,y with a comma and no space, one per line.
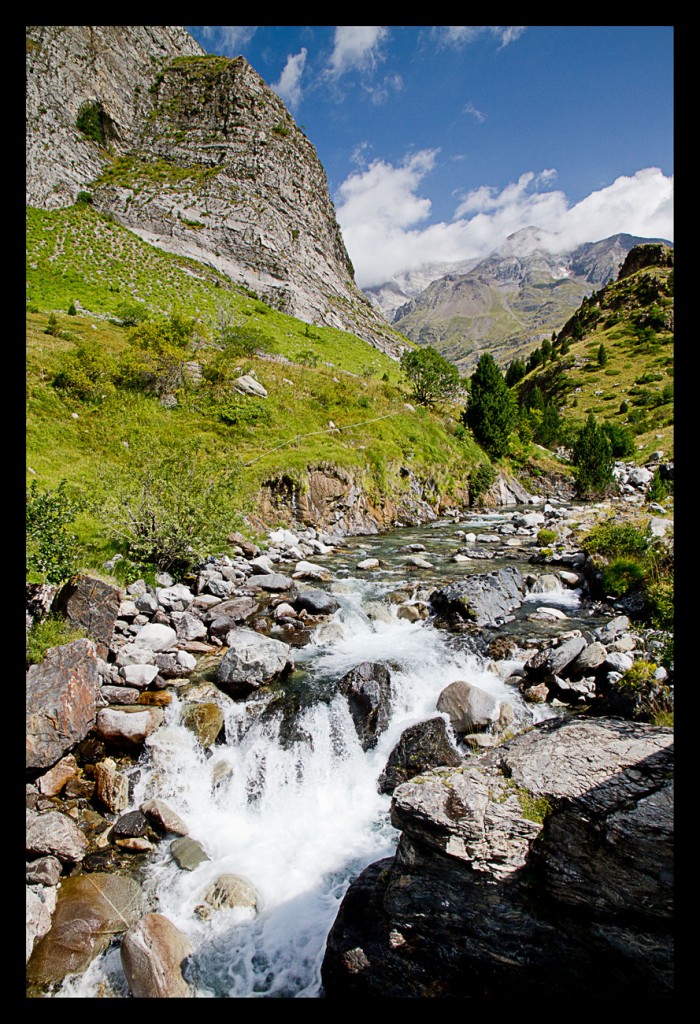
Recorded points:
230,37
477,114
380,94
461,35
383,217
356,47
289,84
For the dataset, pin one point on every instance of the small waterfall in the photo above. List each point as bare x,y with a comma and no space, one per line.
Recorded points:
298,816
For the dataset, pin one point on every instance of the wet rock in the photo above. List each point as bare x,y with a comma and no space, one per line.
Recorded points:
251,661
90,910
205,720
553,660
421,746
163,818
470,708
188,853
127,728
130,826
368,689
317,602
152,953
231,890
112,786
43,871
482,598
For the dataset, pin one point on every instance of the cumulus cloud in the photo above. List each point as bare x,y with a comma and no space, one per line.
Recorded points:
356,48
461,35
228,37
289,84
383,217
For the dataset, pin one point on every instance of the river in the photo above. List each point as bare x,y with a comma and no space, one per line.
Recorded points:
297,813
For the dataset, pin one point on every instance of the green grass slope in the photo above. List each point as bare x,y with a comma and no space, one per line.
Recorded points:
333,399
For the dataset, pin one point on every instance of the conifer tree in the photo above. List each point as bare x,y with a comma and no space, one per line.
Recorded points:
592,456
491,412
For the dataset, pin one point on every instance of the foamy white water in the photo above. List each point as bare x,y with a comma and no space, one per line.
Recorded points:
299,819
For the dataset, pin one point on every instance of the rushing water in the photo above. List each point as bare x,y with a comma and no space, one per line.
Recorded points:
298,814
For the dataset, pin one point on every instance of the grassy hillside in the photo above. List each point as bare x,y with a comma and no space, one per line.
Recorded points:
91,421
630,384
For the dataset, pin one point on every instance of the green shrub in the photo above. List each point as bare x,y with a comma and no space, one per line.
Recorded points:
173,507
621,440
53,631
91,121
647,699
87,374
622,575
72,311
480,479
617,540
52,551
52,327
546,537
658,489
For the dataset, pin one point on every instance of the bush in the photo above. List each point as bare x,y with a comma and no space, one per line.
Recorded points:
546,537
53,631
173,507
658,489
52,327
480,479
617,540
52,551
88,374
622,575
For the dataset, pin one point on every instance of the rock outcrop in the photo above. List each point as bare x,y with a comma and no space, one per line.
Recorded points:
541,869
197,156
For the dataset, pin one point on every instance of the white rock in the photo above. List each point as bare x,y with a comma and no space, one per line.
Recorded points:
139,675
156,636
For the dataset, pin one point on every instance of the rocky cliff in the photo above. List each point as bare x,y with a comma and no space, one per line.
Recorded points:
542,869
197,156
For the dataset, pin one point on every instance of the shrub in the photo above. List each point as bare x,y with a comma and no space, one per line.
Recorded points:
88,374
480,479
622,575
52,325
546,537
72,311
173,507
645,698
617,540
53,631
658,489
52,551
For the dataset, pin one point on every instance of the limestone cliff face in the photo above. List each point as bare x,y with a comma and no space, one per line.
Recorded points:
196,155
71,65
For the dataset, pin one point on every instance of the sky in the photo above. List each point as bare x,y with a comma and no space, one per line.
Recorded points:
440,141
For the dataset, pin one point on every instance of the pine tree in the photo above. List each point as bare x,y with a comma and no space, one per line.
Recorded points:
592,456
491,412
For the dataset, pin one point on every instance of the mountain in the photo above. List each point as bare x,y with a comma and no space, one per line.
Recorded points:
197,156
512,299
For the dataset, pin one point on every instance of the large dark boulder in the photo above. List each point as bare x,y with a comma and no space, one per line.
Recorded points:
540,870
421,746
61,701
368,689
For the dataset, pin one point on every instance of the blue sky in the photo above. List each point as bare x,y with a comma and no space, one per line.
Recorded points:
439,142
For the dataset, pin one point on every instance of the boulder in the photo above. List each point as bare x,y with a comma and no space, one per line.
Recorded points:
553,660
421,746
112,786
317,602
368,689
156,637
91,604
127,728
540,869
188,853
163,818
90,910
482,598
54,834
251,661
152,954
61,701
205,720
232,891
470,708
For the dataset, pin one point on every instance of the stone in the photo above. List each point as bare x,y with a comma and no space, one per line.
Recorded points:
43,871
55,834
205,720
421,746
61,701
90,910
52,782
188,853
156,637
127,728
368,689
163,818
112,786
482,598
139,676
317,602
231,890
470,709
152,954
251,661
90,604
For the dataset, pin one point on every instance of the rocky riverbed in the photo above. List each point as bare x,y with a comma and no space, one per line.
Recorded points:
491,810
